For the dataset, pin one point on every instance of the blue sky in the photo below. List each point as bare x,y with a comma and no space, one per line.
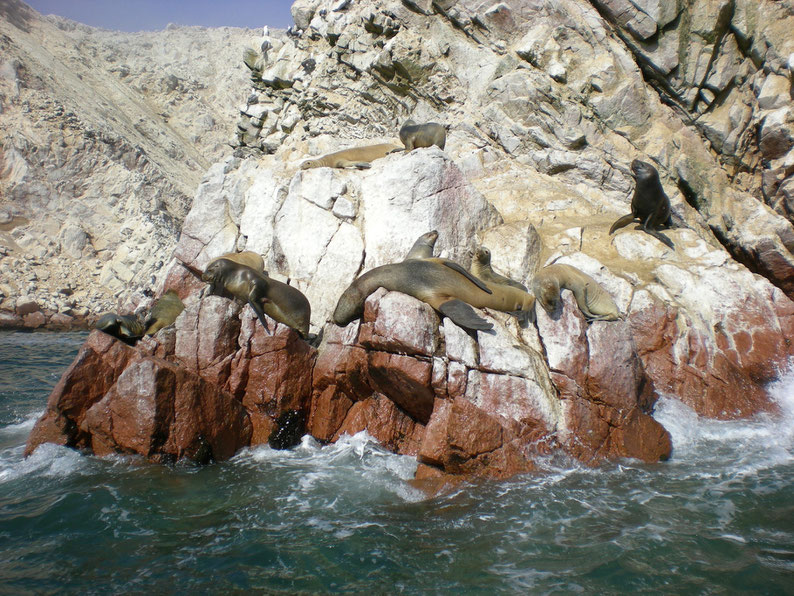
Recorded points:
147,15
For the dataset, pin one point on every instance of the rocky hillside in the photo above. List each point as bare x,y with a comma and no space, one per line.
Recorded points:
105,136
547,104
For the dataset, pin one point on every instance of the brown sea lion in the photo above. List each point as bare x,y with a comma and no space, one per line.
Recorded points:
414,135
649,204
357,157
481,267
594,301
127,328
280,301
245,257
445,289
164,312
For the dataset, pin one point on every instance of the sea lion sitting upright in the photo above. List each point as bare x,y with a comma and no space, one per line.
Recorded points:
414,135
594,301
431,281
164,312
481,267
127,328
357,157
649,204
280,301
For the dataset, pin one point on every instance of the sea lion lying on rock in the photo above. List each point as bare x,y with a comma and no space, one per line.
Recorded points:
649,204
164,312
594,301
357,157
280,301
127,328
414,135
442,287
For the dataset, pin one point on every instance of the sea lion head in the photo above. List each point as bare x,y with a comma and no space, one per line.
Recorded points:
483,255
309,163
350,306
643,170
547,293
108,322
215,269
427,239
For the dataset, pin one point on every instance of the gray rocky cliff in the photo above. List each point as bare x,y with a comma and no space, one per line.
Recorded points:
105,136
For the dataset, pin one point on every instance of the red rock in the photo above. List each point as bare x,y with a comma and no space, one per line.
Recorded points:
605,390
405,380
386,423
162,411
206,336
396,322
272,373
462,439
93,372
328,411
184,281
684,364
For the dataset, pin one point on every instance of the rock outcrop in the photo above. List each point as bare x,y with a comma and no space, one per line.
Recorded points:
547,104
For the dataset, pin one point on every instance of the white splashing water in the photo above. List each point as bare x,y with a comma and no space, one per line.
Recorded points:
764,441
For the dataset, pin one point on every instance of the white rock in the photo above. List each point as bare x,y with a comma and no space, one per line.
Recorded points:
319,186
460,346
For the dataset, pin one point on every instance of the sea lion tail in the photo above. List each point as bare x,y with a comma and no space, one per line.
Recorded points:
464,316
622,222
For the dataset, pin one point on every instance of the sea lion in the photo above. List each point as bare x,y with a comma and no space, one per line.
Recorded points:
423,249
414,135
127,328
594,301
481,267
245,257
445,289
649,204
164,312
280,301
358,157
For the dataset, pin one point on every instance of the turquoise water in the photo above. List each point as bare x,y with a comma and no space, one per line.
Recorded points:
716,519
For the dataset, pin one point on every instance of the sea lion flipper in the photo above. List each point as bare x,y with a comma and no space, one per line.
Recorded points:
525,317
259,313
463,315
475,280
361,165
661,237
622,222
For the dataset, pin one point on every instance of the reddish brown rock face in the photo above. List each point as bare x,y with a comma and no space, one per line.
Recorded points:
684,363
606,393
98,364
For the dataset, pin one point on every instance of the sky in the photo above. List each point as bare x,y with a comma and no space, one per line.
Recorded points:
148,15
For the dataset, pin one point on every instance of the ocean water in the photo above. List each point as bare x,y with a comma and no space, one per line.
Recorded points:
718,518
